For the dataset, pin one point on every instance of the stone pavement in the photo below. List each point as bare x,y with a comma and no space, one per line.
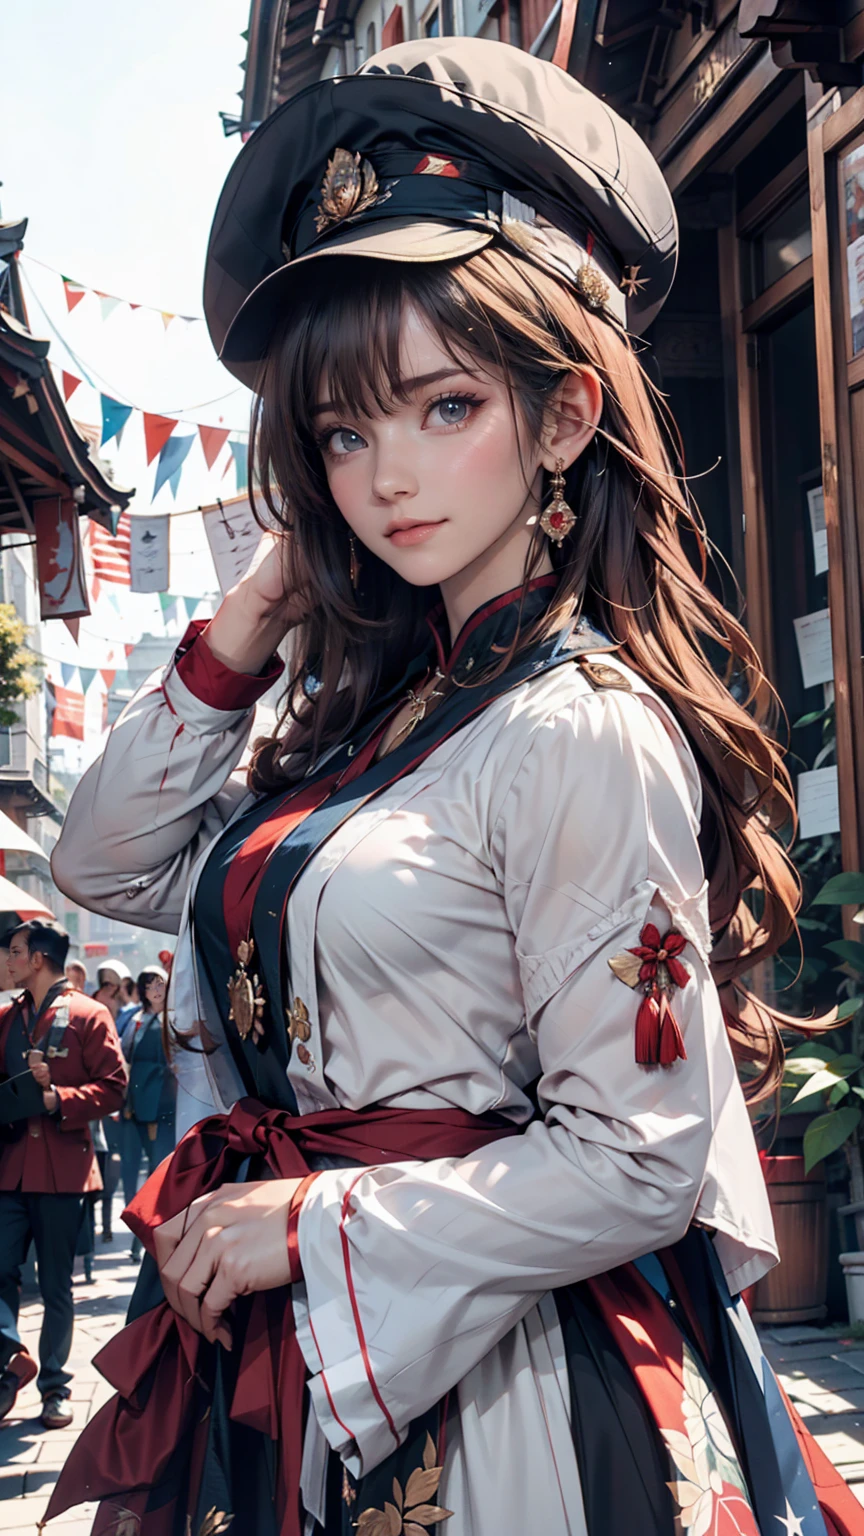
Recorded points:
822,1369
30,1456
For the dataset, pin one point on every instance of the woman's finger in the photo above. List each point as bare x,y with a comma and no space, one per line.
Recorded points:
190,1286
168,1238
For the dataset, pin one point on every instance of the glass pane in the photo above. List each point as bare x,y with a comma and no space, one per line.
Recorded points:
432,25
785,242
853,200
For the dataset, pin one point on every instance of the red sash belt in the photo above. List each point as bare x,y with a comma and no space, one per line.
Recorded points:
159,1366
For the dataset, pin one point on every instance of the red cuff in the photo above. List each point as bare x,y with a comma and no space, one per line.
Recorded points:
294,1210
211,681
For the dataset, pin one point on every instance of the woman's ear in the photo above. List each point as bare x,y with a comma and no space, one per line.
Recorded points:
572,418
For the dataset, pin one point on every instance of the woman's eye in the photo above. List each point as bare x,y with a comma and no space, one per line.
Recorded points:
343,441
451,412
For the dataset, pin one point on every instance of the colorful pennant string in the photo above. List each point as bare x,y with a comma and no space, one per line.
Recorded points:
171,461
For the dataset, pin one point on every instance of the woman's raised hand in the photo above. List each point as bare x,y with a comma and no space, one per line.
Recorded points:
227,1244
255,615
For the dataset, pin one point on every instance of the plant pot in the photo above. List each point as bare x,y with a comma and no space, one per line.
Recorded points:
795,1290
852,1265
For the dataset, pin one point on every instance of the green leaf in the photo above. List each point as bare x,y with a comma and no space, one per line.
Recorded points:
833,1072
813,925
814,715
838,1092
828,1133
849,950
848,1008
841,891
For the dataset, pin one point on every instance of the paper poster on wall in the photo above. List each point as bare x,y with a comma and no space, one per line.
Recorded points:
813,634
816,507
853,194
60,559
233,536
149,553
818,803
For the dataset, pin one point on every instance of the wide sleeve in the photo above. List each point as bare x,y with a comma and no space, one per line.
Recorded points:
412,1273
161,791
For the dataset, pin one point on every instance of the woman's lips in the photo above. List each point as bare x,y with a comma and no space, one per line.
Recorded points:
417,533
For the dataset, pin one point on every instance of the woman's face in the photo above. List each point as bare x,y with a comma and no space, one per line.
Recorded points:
155,994
438,482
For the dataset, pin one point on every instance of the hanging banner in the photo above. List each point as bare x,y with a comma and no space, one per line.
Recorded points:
171,461
213,440
157,430
114,418
149,543
60,559
70,384
67,712
110,557
73,291
233,536
240,455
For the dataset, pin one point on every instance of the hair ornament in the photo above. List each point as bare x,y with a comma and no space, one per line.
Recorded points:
349,188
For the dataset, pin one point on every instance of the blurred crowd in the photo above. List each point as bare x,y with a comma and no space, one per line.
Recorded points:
87,1100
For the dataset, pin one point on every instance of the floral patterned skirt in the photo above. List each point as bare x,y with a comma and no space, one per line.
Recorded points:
679,1428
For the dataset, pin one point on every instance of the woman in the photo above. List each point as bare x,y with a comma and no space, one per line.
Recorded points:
147,1117
458,1240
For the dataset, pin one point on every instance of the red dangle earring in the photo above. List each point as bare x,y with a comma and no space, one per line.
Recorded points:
559,517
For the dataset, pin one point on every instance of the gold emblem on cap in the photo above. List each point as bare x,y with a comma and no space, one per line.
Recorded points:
632,283
349,188
591,286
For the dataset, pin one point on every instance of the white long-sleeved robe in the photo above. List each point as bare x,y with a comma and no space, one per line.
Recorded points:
451,944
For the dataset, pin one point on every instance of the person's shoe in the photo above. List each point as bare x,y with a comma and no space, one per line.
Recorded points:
108,1237
20,1370
88,1271
56,1413
136,1251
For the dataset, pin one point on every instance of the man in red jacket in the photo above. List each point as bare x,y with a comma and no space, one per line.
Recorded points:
61,1064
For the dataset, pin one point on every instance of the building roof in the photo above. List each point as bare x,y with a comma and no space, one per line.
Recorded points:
41,449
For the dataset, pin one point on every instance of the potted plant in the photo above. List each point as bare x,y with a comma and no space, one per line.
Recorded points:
827,1076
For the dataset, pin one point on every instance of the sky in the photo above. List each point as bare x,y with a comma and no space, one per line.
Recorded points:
112,146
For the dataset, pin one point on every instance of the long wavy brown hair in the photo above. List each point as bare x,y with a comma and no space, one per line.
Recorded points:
635,564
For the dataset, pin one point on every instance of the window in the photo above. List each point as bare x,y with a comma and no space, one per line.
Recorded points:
371,46
432,22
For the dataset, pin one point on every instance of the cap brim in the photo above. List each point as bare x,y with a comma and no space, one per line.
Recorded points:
248,337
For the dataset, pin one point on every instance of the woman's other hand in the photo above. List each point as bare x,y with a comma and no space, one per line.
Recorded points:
255,615
226,1244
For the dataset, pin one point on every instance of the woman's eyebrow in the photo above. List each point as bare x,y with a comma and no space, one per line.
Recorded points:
406,386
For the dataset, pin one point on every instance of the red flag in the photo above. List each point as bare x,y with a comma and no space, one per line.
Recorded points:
108,675
129,647
111,556
68,716
213,440
73,291
157,430
70,384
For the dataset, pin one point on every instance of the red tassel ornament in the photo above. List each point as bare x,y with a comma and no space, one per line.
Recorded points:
655,968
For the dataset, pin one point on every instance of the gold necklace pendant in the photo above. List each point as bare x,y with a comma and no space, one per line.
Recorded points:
420,703
244,993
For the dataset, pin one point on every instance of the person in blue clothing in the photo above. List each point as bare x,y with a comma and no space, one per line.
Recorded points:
147,1117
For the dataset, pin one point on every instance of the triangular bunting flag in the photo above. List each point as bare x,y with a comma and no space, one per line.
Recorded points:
68,670
171,461
74,292
73,626
167,317
70,384
87,676
114,418
240,454
213,440
108,304
157,430
129,647
108,675
134,306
